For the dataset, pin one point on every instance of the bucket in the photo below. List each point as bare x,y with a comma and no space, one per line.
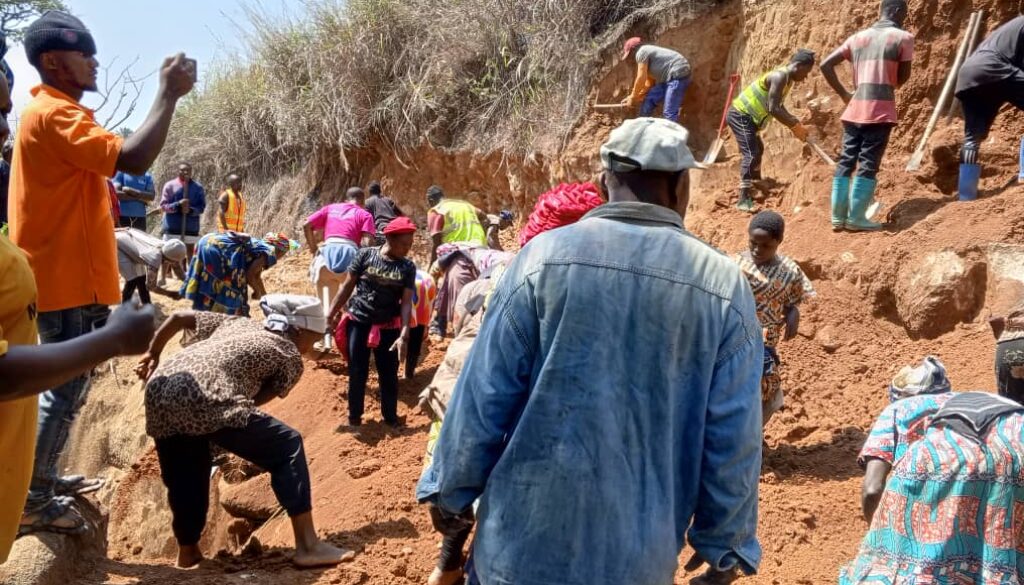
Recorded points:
968,186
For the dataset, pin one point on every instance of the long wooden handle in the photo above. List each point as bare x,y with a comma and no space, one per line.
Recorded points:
607,106
947,89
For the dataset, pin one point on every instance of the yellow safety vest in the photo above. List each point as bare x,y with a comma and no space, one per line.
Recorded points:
753,101
461,223
234,216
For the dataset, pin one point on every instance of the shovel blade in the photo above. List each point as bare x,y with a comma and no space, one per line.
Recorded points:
712,154
873,209
915,161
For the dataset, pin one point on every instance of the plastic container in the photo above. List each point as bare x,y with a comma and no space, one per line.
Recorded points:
968,186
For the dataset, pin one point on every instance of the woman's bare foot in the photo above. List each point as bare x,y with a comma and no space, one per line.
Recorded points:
189,556
322,555
439,577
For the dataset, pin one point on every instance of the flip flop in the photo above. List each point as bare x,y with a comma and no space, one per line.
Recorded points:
76,485
59,507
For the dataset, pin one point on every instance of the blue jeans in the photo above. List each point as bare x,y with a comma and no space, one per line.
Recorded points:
863,148
59,407
671,92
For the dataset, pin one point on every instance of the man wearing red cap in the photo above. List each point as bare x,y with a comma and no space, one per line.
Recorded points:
662,75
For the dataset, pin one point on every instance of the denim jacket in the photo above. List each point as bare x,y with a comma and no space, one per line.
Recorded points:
609,410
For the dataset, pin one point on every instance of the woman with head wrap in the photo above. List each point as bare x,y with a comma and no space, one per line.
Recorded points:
207,395
950,511
372,311
779,286
226,265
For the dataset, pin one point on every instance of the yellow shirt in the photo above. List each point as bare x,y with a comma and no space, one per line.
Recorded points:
17,417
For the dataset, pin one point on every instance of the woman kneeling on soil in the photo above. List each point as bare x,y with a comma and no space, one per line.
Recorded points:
375,303
207,395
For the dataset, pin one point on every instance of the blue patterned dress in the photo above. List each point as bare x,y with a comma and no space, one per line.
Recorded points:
952,512
217,278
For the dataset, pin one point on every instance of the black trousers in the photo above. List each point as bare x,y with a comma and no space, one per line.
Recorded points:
136,284
1010,360
359,371
863,148
267,442
412,356
981,105
138,223
748,140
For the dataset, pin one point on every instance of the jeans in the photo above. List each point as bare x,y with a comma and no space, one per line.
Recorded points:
269,443
59,407
748,140
138,223
136,284
671,92
412,356
359,371
863,148
981,106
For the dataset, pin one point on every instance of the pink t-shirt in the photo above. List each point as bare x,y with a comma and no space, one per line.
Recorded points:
876,54
343,220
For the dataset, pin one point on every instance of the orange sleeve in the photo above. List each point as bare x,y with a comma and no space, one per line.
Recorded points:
641,85
81,142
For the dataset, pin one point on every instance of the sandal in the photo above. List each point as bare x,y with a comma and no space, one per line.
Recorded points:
45,520
76,485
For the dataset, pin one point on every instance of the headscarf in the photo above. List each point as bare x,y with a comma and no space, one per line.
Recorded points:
284,311
561,206
927,378
280,242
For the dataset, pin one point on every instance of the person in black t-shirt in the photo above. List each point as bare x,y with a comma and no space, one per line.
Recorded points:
377,301
383,208
991,77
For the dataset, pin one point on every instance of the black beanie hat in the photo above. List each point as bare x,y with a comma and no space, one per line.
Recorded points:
57,31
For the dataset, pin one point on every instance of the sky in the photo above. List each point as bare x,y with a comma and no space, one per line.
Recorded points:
151,30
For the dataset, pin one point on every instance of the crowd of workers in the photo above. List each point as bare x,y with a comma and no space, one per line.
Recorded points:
671,450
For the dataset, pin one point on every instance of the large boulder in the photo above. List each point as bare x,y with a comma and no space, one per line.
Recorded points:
939,291
253,499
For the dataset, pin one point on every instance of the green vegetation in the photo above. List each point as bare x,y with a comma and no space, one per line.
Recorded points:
477,75
15,14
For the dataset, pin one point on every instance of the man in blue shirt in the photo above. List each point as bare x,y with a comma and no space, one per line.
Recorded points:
609,412
134,192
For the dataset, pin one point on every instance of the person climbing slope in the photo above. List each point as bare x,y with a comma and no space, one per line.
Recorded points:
383,208
662,77
779,286
991,77
453,221
754,109
881,56
341,228
208,395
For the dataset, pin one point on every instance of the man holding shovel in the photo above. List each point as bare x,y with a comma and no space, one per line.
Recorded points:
989,78
881,57
754,109
662,76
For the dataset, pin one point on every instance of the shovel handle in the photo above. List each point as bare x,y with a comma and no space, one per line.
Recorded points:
733,80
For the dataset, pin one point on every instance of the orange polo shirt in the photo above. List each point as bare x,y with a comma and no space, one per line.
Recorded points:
59,204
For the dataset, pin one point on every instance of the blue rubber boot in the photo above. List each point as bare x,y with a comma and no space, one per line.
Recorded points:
863,193
968,185
840,202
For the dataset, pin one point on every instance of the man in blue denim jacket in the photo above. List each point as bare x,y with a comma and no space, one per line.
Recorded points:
609,412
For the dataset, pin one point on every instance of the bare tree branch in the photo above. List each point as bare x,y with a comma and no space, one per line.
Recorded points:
15,14
120,93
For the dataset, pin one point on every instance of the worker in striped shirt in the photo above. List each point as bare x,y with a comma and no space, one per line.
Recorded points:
881,57
755,108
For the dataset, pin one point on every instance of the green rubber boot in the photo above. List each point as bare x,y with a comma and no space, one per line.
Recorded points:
840,202
746,202
863,193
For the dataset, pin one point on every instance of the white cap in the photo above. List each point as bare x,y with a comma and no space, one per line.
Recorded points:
300,311
174,250
648,144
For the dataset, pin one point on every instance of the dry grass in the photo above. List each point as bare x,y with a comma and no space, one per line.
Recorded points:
477,75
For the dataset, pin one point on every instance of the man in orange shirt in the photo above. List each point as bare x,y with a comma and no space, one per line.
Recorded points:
60,217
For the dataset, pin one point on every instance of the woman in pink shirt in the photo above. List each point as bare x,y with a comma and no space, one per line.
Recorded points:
341,228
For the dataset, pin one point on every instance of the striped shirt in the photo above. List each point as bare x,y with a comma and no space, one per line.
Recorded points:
876,54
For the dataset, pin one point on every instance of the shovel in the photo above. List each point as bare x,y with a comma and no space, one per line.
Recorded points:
716,146
820,151
607,106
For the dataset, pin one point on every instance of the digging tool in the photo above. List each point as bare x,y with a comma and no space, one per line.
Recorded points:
326,299
975,35
608,106
820,151
947,90
716,146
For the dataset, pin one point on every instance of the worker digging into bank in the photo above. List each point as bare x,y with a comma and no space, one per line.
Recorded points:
881,57
497,224
60,216
208,395
334,235
991,77
645,445
452,221
662,77
231,215
751,112
779,286
140,257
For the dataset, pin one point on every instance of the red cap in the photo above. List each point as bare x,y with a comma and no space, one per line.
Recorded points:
400,225
630,45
